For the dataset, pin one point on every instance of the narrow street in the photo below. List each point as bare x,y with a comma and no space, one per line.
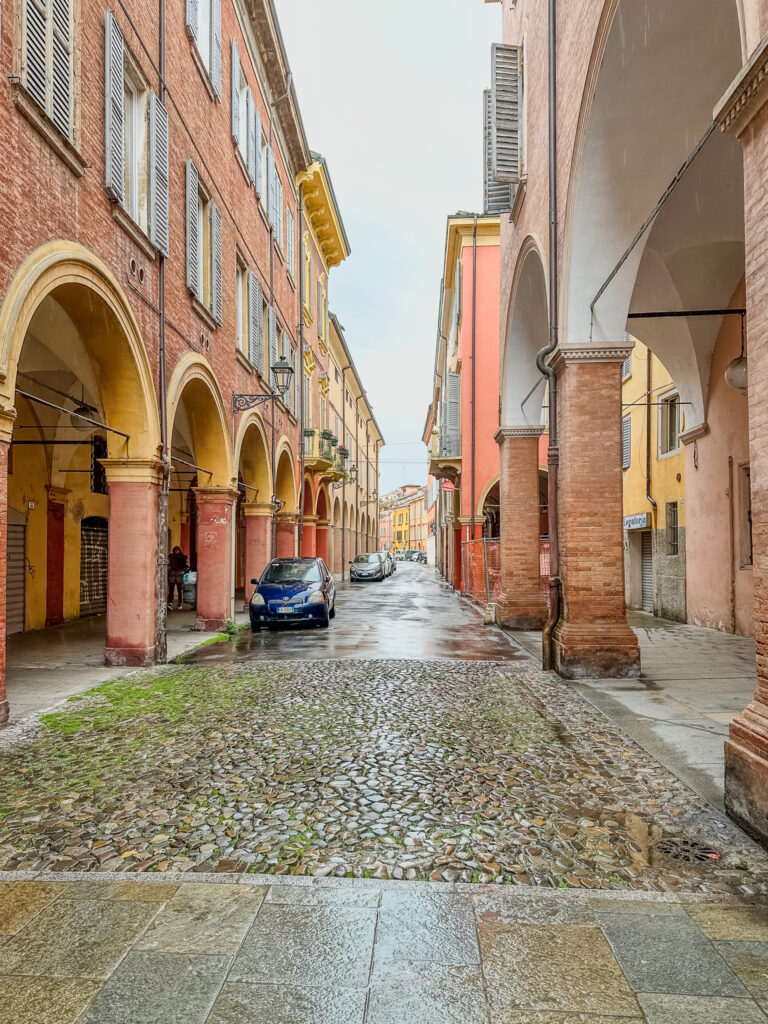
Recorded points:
389,821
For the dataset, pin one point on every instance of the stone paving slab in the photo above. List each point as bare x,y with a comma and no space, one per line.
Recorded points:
359,952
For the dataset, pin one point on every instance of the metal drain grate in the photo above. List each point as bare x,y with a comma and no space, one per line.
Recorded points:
688,850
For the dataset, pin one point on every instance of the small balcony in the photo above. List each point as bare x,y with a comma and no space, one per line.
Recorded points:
319,454
445,456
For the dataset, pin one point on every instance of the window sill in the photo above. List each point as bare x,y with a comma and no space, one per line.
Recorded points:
242,164
244,361
263,213
134,232
291,281
279,251
47,130
517,202
203,312
204,73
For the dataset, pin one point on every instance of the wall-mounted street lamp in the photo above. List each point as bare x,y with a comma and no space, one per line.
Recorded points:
282,375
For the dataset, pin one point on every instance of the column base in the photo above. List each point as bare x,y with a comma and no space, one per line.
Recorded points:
746,771
4,712
210,625
596,652
135,657
523,614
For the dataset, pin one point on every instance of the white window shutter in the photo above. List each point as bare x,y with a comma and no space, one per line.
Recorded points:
61,66
279,210
235,93
305,410
626,442
319,308
272,345
192,18
296,383
453,413
255,323
497,196
271,175
34,56
250,120
216,47
114,96
257,130
506,113
290,231
159,185
193,271
216,297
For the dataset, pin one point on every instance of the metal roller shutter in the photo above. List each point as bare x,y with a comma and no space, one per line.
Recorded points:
647,572
16,580
93,566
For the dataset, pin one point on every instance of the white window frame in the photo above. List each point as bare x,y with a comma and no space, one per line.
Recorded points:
204,41
665,401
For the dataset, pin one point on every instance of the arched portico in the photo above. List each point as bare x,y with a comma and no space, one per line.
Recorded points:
286,493
255,510
69,343
324,546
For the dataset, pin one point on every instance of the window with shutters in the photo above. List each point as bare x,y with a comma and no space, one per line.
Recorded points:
506,114
307,279
204,27
135,144
204,246
745,516
673,545
47,59
243,114
290,241
322,310
241,300
626,368
626,442
669,425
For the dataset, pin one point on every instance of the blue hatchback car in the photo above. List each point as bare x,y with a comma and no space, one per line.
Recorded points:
293,590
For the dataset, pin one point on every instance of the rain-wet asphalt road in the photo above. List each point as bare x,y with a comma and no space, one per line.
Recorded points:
411,615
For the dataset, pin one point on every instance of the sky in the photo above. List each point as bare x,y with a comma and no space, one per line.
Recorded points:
391,95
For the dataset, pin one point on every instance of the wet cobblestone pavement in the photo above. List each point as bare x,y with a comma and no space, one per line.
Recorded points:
428,770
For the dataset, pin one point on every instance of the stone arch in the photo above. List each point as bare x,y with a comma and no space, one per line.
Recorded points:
252,457
310,497
485,492
196,409
88,294
285,478
323,504
527,332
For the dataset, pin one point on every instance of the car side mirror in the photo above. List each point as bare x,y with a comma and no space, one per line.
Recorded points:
255,583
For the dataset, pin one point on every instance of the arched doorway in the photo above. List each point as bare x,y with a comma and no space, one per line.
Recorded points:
83,447
285,491
338,566
255,509
203,487
324,548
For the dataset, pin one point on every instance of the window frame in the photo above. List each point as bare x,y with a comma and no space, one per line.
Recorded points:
666,402
242,334
672,528
746,542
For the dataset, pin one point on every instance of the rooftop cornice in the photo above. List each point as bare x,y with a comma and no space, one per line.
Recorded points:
323,213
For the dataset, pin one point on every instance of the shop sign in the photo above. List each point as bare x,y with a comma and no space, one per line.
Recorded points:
638,522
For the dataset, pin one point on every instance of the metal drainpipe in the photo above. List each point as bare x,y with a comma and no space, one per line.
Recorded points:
474,334
367,484
648,404
553,459
269,363
301,367
732,543
357,485
344,523
161,641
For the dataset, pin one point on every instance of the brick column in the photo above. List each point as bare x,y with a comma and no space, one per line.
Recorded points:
286,537
6,432
745,112
132,580
309,537
457,538
323,545
592,638
214,556
258,542
522,605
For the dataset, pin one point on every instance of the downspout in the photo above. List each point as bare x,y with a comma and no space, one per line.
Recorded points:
344,523
161,641
553,457
302,298
732,541
269,364
357,485
472,397
648,404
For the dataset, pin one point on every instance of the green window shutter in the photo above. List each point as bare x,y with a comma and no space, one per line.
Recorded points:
255,323
193,269
34,55
216,297
235,78
192,18
61,66
506,112
497,196
159,187
216,47
114,94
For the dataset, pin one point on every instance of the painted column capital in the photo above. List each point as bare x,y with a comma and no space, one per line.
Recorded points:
525,430
603,352
310,520
259,508
133,471
213,495
7,419
694,433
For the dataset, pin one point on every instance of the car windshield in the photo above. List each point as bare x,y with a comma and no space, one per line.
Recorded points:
292,572
364,559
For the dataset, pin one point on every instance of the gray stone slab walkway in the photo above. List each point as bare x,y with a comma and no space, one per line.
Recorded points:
693,682
227,949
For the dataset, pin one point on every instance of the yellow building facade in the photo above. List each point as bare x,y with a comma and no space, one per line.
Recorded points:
401,529
654,487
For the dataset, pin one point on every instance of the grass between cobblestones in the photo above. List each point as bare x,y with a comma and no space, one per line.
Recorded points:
391,769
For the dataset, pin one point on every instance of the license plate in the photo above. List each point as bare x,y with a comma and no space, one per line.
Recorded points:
285,611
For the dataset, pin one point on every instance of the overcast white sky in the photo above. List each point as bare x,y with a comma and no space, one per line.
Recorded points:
391,95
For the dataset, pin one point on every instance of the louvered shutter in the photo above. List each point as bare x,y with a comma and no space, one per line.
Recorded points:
319,309
453,413
506,96
192,18
255,323
626,442
279,209
193,269
271,198
497,195
216,47
35,51
114,101
257,131
250,121
305,409
235,93
216,297
61,66
159,187
272,345
296,383
290,231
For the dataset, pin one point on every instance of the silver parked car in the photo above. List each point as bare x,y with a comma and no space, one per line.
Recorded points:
371,566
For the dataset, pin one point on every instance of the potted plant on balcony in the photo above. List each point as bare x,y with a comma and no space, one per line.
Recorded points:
309,432
343,452
327,435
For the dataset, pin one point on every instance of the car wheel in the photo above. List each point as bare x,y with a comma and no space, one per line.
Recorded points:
255,628
332,612
325,621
